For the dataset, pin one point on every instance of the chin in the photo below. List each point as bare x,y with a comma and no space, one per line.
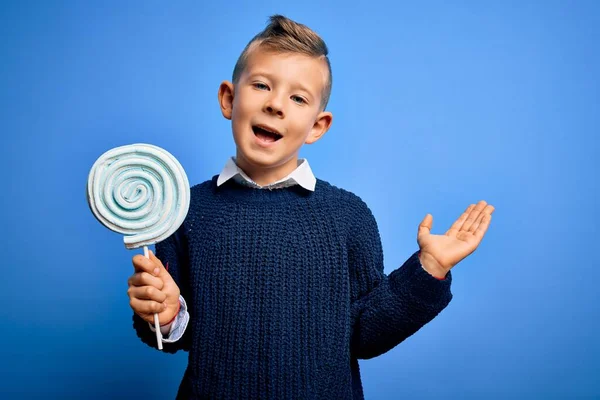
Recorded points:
258,159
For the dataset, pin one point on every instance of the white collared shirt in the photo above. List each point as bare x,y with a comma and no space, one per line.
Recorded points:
302,176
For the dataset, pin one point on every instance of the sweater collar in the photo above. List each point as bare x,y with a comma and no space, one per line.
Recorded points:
302,176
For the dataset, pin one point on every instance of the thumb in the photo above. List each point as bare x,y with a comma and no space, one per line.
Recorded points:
162,271
170,288
425,226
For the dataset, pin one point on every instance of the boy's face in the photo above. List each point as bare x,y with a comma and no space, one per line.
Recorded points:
275,108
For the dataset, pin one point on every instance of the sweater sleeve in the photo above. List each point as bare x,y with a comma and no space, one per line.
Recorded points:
173,252
387,309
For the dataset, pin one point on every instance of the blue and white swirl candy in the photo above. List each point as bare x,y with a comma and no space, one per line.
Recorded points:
139,190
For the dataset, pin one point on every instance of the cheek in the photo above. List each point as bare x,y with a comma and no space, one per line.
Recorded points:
304,126
246,101
235,111
239,118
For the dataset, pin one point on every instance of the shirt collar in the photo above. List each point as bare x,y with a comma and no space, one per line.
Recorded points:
302,176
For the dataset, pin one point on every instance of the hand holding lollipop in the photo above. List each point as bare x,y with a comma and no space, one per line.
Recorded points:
141,191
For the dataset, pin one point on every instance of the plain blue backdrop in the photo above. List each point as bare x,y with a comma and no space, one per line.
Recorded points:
435,106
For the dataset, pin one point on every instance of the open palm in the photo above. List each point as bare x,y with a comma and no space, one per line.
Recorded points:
443,252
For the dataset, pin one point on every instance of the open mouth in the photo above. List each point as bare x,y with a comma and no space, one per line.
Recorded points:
265,134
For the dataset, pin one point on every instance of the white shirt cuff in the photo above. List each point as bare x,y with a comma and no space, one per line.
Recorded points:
175,331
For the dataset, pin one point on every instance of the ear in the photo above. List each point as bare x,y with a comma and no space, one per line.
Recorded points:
226,91
321,126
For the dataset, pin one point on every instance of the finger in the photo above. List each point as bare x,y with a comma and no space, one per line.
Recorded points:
425,226
143,264
473,215
147,317
145,279
459,222
483,227
146,306
476,223
488,210
146,293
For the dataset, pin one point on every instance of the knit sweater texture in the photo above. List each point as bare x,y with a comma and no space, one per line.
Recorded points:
286,292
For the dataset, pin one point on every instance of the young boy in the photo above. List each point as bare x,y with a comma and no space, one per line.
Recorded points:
274,283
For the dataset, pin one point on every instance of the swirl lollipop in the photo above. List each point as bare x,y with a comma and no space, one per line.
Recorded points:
141,191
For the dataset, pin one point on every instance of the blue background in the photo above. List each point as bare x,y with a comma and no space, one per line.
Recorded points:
435,106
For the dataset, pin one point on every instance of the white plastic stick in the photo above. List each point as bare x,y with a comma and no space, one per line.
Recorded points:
156,323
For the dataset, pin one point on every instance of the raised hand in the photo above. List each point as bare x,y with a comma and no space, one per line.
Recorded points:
439,253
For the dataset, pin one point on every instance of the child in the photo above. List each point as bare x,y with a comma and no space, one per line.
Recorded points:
274,283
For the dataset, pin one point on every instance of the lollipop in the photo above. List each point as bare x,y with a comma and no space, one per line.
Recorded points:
141,191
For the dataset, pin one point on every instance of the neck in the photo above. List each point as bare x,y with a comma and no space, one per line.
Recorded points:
267,175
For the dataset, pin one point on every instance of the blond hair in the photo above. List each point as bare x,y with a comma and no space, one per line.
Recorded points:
286,36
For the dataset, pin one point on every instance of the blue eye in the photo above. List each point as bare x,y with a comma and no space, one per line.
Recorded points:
260,86
298,99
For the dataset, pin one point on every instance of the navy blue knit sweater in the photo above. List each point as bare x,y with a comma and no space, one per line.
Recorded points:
286,292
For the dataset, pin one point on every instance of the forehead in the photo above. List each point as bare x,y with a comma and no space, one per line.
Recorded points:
295,68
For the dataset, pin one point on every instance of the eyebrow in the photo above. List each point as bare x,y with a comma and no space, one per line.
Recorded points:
269,76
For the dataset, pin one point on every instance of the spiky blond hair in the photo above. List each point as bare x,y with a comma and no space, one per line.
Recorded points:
286,36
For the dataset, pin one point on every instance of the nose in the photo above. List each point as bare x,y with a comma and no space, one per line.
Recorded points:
274,106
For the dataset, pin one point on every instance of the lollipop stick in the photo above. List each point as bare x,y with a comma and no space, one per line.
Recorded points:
156,323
